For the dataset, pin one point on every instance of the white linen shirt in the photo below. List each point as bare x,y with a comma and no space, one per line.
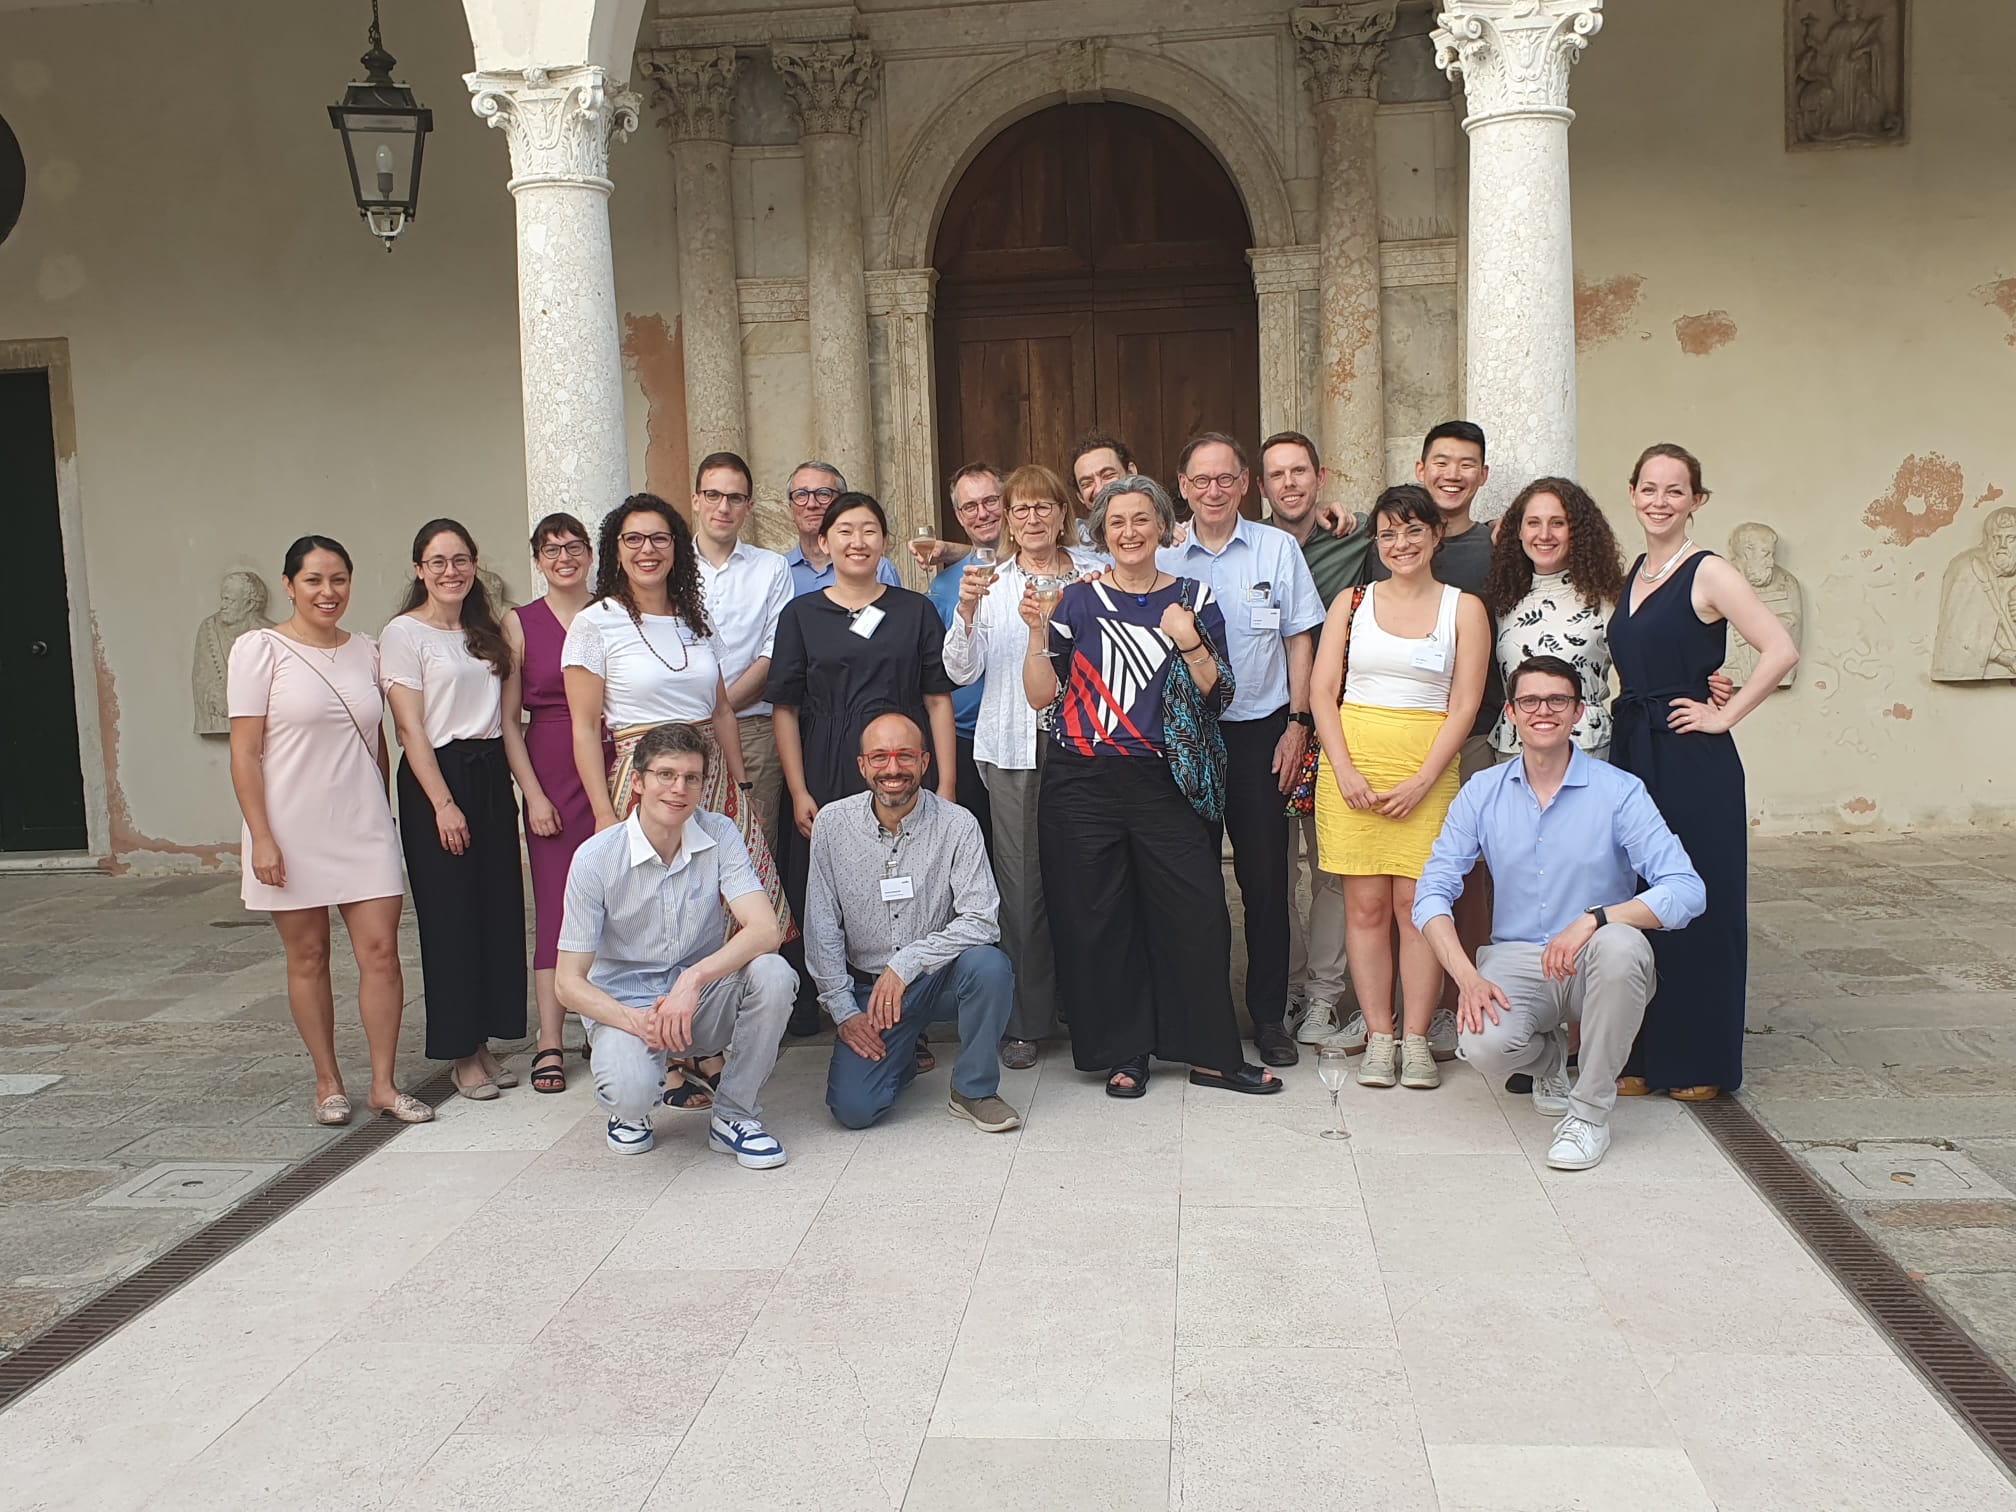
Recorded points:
1004,735
1257,570
658,672
744,595
645,921
460,697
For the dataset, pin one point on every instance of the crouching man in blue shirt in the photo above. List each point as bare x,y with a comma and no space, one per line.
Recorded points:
1566,838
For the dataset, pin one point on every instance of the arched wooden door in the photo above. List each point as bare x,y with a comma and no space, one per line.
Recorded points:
1092,275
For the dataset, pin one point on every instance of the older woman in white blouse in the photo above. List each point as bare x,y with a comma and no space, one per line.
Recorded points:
988,638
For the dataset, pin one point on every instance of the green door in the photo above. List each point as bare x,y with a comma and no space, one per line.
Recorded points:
41,783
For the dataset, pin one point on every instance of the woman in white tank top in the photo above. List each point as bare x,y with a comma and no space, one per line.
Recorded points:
1391,728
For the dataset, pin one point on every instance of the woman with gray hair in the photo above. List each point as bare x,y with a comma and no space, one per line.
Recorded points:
1130,867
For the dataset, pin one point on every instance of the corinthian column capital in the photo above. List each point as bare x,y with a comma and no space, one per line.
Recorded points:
1340,47
1514,55
559,123
828,82
693,89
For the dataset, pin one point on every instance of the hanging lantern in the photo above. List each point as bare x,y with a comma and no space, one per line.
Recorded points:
384,129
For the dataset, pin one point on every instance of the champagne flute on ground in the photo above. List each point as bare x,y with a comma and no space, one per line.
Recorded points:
1333,1066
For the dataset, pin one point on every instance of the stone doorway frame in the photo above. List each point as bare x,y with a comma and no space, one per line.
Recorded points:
902,293
52,354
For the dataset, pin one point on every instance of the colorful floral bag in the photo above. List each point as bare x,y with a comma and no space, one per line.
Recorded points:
1302,797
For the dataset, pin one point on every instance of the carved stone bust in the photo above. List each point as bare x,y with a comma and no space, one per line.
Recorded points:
1976,640
241,606
1753,548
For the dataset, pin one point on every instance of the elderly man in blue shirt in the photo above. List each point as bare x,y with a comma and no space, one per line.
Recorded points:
1567,839
1272,610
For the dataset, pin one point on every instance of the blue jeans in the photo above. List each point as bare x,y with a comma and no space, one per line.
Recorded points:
977,989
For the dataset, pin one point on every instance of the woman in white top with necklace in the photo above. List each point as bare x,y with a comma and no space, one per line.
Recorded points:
445,664
1391,729
987,638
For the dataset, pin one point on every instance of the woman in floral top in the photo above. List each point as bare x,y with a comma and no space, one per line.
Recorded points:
1554,578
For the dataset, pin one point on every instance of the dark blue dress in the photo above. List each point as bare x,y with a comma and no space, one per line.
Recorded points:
1693,1032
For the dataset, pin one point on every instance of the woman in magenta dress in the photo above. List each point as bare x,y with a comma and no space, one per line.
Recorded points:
558,816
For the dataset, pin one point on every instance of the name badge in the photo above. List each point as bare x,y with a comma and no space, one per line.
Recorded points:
896,889
866,621
1433,657
1267,617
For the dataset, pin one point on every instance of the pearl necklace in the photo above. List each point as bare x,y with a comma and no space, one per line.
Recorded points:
1652,577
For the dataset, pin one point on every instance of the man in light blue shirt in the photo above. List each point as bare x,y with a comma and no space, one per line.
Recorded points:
1567,839
976,501
1272,610
643,959
810,493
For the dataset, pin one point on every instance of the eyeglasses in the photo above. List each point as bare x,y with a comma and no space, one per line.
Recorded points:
985,501
665,777
1031,511
637,540
552,551
1222,482
1411,533
435,566
1553,703
820,496
713,496
883,760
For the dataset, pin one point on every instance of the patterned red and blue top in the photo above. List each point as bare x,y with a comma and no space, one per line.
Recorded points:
1112,662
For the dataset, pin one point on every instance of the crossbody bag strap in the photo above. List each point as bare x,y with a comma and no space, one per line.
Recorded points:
295,652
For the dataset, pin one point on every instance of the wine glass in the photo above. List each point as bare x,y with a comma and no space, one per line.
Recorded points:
924,547
1333,1066
983,557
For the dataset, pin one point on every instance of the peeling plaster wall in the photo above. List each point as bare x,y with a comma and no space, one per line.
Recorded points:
247,362
1831,332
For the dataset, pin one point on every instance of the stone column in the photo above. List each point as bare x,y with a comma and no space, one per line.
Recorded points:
1281,275
1513,57
1340,49
559,124
828,84
900,302
694,90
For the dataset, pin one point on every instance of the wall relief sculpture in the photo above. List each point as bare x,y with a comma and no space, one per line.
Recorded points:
1976,640
1754,550
498,590
241,606
1847,71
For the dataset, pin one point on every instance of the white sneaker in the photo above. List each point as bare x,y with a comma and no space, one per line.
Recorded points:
1298,1010
1351,1035
1377,1069
1417,1064
630,1136
1318,1024
1550,1092
1578,1144
747,1141
1442,1035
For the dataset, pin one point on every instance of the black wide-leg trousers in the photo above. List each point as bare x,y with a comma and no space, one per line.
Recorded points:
1137,912
1256,817
471,907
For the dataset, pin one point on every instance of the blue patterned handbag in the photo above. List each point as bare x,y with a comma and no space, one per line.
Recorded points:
1190,726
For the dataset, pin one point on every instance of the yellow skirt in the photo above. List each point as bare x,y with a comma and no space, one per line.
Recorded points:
1387,746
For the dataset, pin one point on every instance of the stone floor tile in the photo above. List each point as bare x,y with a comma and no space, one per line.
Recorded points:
1985,1303
1558,1478
1480,1307
1461,1117
1072,1113
1064,1354
1247,1277
1040,1475
755,1228
1839,1120
1536,1389
68,1248
402,1175
1769,1433
1284,1430
1463,1204
1039,1233
823,1427
571,1472
228,1142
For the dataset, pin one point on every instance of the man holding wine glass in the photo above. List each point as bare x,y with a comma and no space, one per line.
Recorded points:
976,503
1567,839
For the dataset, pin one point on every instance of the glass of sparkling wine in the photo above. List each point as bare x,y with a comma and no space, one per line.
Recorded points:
983,560
1048,589
1333,1066
924,546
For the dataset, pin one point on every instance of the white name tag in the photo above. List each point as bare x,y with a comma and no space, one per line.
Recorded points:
866,621
1267,617
1433,657
896,889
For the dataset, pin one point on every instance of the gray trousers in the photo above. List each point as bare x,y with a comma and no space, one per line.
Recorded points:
747,1011
1315,947
1025,925
1613,982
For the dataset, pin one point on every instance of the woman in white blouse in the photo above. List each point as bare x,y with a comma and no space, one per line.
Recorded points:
642,654
445,664
988,638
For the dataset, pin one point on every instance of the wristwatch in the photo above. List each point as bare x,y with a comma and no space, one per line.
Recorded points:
1303,718
1601,916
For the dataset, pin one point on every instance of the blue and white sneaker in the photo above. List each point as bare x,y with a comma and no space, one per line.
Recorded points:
630,1136
745,1139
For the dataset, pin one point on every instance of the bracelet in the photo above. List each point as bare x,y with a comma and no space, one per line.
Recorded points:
1185,652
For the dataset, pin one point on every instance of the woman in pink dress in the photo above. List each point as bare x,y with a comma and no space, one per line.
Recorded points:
558,816
309,766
